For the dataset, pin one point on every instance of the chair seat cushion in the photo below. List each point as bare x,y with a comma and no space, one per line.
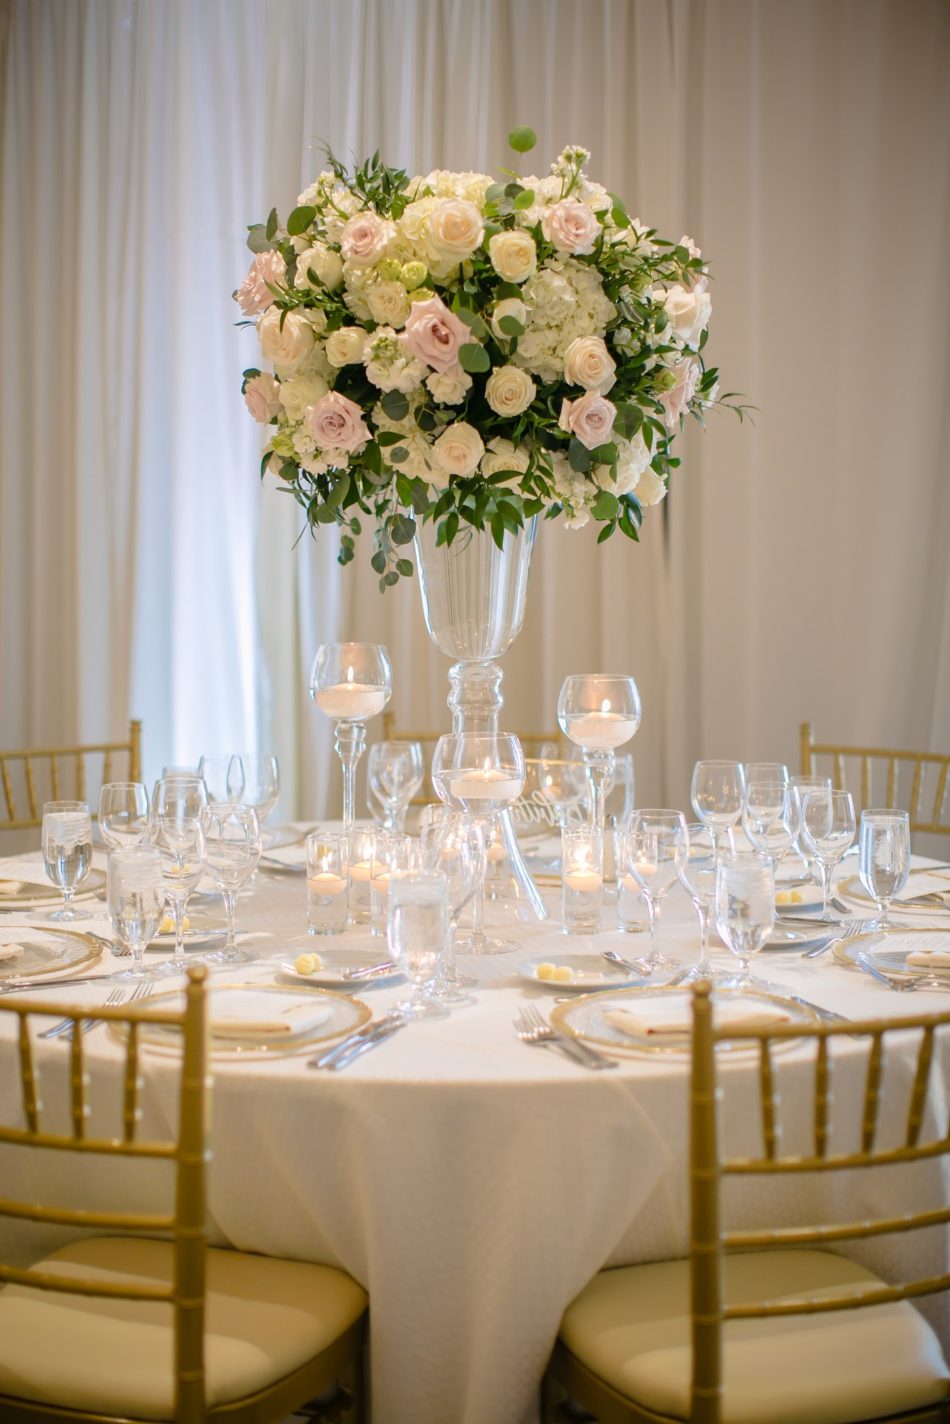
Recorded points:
631,1327
264,1319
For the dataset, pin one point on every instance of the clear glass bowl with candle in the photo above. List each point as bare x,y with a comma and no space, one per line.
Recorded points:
350,682
480,776
599,712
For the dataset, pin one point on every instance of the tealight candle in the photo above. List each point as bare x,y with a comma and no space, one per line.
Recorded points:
362,870
601,731
326,883
582,862
485,784
583,880
351,701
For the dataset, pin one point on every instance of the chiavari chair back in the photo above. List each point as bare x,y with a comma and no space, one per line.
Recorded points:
918,782
36,774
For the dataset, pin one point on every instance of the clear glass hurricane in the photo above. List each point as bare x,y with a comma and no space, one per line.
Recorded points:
135,895
350,683
828,827
884,859
395,771
229,845
655,847
66,838
598,712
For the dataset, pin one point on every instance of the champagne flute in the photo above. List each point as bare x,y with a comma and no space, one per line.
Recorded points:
395,771
655,849
350,682
716,795
827,831
177,803
745,911
123,814
598,712
135,894
66,838
884,859
229,846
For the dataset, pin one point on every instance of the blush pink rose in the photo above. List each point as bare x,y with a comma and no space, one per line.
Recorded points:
262,398
571,226
253,295
433,334
365,238
337,423
591,419
676,400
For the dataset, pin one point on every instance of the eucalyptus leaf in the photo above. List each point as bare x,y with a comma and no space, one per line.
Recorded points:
473,358
299,220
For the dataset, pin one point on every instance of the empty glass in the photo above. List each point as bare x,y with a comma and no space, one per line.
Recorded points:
123,814
418,933
223,776
803,784
884,858
765,771
66,838
716,795
598,712
177,803
630,901
771,818
450,848
698,877
745,911
260,783
827,832
135,894
394,773
350,682
229,844
655,848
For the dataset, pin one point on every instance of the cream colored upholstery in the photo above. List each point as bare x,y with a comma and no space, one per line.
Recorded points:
632,1328
264,1319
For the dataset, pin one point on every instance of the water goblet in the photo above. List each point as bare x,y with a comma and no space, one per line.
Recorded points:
884,859
745,911
394,773
223,775
827,831
123,814
177,803
229,845
327,881
802,784
135,894
697,875
655,848
716,795
350,682
765,771
260,783
771,818
480,775
598,712
66,838
450,847
418,932
630,901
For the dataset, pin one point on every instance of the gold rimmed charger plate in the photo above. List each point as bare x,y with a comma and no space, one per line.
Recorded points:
348,1015
23,894
846,951
583,1018
850,886
77,949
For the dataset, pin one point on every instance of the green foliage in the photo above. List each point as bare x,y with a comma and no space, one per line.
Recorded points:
522,140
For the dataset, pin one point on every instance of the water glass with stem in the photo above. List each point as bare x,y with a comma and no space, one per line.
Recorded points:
260,783
135,895
450,848
745,911
394,773
418,935
598,712
123,814
177,803
827,831
771,818
223,776
803,783
697,876
229,845
765,771
655,848
716,796
884,859
66,838
350,682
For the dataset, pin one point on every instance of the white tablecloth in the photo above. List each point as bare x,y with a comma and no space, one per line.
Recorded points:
473,1185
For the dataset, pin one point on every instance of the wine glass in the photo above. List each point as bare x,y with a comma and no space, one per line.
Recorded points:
771,818
260,783
698,877
223,775
123,814
745,911
350,682
598,712
827,831
67,852
450,848
802,784
655,848
765,771
395,771
418,933
716,795
560,782
479,775
229,845
135,894
177,803
884,859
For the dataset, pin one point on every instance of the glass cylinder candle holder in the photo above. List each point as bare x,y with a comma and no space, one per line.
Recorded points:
392,851
582,879
361,846
327,881
632,915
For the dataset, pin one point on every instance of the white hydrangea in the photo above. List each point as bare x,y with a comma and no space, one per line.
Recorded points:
389,366
565,300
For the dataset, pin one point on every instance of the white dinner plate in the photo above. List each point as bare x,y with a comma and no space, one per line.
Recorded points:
200,934
331,971
889,951
44,951
589,973
783,937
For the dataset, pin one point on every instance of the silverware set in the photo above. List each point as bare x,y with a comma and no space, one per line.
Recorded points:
533,1029
116,997
361,1041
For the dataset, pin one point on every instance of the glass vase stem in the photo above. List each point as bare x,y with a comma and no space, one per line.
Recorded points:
350,743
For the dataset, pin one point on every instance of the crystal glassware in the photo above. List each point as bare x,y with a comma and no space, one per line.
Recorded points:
327,881
177,803
260,783
698,877
350,683
123,814
450,848
418,935
480,775
632,917
223,777
716,796
582,879
135,894
394,774
884,858
745,911
392,851
802,784
229,844
66,839
655,848
827,831
771,818
598,712
361,855
765,771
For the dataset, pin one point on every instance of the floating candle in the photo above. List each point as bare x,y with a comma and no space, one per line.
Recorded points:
583,879
326,883
351,701
601,731
485,784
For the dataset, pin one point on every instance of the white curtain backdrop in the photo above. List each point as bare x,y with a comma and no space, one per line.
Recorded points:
800,569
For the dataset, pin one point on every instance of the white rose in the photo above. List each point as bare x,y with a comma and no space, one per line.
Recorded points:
649,489
326,264
510,306
299,392
588,363
389,303
317,318
449,387
455,230
285,344
459,449
346,346
688,313
365,238
513,255
571,226
502,455
509,390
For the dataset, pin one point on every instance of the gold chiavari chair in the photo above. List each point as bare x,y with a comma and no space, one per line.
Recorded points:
879,776
38,774
115,1328
724,1338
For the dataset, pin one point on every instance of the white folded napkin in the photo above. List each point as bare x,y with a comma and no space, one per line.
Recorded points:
242,1013
293,856
673,1014
930,958
10,951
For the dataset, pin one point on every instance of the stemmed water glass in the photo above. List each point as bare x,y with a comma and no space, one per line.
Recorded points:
395,771
655,848
450,848
802,784
765,771
123,814
771,818
229,845
66,838
827,831
698,877
350,682
479,775
418,933
260,783
716,795
223,776
135,894
884,859
745,911
598,712
177,803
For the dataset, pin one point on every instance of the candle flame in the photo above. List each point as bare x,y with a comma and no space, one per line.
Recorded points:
349,674
605,705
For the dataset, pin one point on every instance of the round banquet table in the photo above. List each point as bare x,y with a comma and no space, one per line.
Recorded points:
472,1184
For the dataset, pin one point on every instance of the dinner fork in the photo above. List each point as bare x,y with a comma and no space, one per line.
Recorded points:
902,985
119,995
842,931
531,1028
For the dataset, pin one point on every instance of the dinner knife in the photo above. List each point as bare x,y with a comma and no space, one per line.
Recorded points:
360,1035
365,1044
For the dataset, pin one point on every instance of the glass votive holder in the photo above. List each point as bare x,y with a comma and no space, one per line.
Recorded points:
582,879
362,863
632,914
392,851
326,883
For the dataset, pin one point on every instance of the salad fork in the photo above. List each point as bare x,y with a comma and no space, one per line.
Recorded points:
903,986
116,997
531,1028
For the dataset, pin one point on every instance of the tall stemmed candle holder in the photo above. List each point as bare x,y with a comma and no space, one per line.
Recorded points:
599,712
481,776
350,682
